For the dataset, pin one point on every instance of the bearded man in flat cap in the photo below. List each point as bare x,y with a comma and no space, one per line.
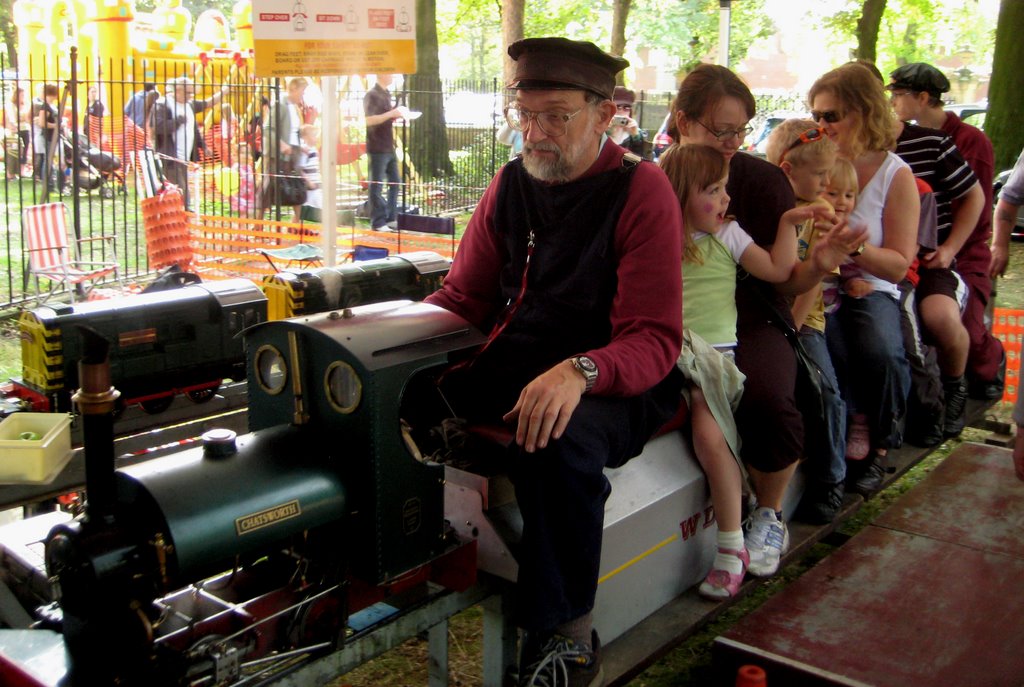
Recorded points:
572,262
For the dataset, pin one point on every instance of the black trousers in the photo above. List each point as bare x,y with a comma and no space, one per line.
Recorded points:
561,491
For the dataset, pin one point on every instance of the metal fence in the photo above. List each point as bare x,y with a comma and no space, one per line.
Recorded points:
96,160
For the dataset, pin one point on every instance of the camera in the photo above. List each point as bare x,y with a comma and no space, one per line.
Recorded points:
620,120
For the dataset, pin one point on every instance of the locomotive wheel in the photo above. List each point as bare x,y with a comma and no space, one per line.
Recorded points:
203,395
155,406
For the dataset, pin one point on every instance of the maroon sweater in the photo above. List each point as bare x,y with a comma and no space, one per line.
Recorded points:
646,315
974,145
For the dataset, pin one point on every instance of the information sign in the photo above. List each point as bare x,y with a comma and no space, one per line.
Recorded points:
327,37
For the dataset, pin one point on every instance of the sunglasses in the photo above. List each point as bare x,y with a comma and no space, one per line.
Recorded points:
830,116
808,136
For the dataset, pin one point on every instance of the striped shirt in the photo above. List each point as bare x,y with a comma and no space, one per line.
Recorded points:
934,158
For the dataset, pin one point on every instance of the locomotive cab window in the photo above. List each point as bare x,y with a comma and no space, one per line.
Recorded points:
344,388
271,371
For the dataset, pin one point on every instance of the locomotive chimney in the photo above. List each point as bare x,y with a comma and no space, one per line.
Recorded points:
95,399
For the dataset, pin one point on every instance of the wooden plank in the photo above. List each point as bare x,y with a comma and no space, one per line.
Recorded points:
927,594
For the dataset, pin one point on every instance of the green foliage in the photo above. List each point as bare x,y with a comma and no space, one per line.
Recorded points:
470,30
577,19
688,29
919,31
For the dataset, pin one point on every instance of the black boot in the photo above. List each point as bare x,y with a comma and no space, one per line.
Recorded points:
865,477
992,389
821,503
955,392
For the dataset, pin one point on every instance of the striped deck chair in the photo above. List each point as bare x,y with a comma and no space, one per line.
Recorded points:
51,258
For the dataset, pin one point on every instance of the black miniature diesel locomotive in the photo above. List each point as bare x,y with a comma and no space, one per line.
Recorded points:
324,488
180,341
185,341
411,276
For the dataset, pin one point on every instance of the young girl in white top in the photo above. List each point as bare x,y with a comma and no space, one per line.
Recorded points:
714,245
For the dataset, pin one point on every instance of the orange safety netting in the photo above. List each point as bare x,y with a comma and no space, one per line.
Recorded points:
167,233
1008,327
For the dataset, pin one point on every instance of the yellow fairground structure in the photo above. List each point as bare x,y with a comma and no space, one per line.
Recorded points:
122,49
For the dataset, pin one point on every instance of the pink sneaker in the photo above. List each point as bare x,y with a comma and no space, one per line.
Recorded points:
722,584
858,438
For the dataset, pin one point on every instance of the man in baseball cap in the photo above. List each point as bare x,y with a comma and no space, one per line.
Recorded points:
559,262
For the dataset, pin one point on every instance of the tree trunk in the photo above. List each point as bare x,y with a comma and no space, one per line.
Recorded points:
867,29
511,31
1006,90
620,13
428,144
10,34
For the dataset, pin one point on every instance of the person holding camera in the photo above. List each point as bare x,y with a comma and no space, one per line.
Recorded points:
625,130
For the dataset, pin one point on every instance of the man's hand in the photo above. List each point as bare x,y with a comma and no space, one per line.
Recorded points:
1000,260
545,406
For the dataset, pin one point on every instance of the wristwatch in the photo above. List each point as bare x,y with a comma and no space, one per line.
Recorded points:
586,367
859,250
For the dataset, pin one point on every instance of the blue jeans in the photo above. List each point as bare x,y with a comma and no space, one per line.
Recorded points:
831,467
867,352
383,169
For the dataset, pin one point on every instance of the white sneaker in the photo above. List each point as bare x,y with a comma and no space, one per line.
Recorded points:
766,539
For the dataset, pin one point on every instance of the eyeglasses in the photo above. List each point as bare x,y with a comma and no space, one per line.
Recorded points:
895,94
553,124
624,107
830,116
723,136
808,136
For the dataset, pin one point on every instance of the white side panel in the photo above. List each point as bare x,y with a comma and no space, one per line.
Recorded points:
659,536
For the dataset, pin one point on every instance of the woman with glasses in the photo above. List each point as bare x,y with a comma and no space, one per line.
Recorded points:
714,107
864,334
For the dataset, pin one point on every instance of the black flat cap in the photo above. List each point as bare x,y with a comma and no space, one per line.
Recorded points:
562,64
919,76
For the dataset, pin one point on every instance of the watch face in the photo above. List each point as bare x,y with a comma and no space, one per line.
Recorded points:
586,364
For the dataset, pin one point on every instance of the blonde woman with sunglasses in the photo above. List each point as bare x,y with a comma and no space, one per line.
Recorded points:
864,339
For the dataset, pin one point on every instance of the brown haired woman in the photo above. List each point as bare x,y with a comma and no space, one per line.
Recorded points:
714,107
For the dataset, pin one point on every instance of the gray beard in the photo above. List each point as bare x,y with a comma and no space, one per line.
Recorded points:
550,171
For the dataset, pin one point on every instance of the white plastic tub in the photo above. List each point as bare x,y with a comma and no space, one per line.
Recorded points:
34,447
